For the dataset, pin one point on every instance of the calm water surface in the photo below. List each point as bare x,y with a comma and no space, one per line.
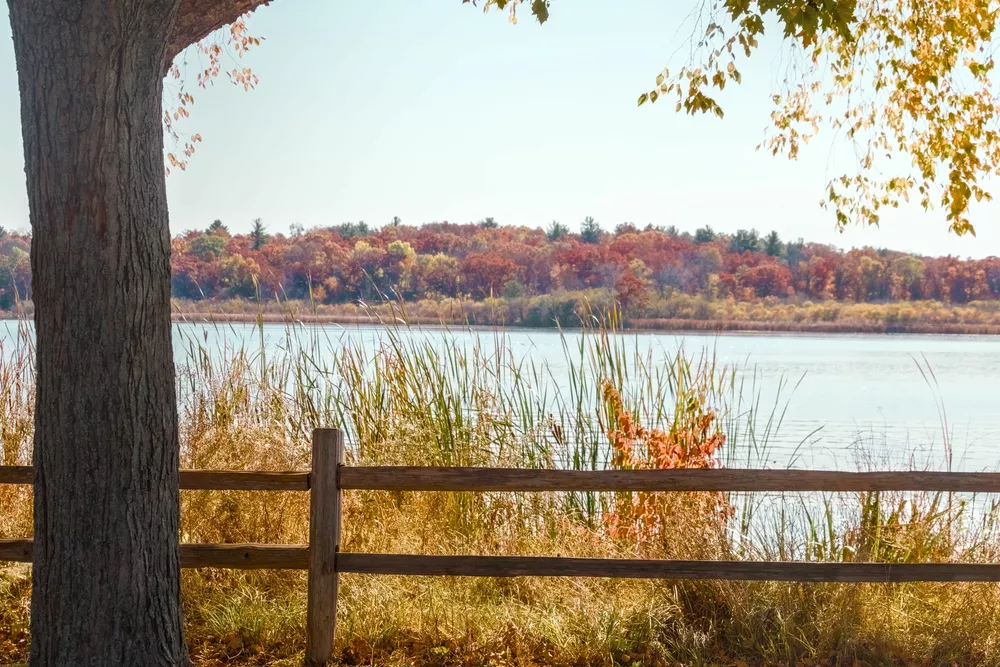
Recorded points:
859,395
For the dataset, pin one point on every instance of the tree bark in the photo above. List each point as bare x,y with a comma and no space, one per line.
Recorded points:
197,18
106,577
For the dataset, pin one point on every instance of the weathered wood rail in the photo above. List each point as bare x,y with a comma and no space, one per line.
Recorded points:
329,477
391,478
209,480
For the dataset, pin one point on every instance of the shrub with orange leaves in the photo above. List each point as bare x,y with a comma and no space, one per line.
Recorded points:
693,440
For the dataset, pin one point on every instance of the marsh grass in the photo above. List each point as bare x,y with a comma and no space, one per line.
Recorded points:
455,397
671,311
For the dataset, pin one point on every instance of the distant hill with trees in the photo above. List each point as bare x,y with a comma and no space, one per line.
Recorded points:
635,267
351,261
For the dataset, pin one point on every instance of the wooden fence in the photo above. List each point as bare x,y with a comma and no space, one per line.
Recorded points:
329,477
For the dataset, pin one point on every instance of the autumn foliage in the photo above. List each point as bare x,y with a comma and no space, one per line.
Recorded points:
351,263
693,440
348,262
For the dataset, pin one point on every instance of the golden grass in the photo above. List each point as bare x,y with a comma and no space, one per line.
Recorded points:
408,401
675,311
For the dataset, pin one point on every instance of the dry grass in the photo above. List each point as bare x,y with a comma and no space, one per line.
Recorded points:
446,402
674,312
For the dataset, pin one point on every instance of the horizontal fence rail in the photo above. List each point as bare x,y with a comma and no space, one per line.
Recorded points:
224,480
403,478
542,566
229,556
199,480
296,557
17,475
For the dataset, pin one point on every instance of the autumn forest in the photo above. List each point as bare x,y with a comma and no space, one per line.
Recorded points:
647,272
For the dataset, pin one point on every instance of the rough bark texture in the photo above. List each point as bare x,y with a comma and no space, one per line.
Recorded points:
198,18
106,585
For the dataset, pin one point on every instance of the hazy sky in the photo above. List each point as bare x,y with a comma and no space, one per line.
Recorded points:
429,110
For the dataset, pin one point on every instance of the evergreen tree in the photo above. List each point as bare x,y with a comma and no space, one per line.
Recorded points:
258,234
590,230
773,245
556,231
745,240
704,235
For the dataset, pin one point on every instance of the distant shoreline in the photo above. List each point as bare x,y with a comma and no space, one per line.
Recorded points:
636,325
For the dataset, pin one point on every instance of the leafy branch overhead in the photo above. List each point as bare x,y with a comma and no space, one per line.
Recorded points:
539,8
211,51
908,82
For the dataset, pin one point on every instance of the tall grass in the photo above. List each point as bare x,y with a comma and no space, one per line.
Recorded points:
455,397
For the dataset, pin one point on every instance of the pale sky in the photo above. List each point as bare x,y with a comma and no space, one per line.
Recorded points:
429,110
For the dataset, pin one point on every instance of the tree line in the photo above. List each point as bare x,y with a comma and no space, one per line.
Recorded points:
351,261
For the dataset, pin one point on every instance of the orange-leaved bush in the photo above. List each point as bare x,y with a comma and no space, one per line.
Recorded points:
693,440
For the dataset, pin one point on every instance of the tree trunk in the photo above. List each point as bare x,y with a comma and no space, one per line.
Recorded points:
106,578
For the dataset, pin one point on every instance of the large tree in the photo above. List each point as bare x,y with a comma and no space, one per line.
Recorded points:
90,72
106,584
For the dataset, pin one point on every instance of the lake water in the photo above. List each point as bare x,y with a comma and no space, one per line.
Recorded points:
859,395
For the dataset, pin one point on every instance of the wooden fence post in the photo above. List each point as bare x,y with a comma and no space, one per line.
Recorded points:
324,543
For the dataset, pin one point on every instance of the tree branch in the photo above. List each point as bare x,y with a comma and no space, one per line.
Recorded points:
198,18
